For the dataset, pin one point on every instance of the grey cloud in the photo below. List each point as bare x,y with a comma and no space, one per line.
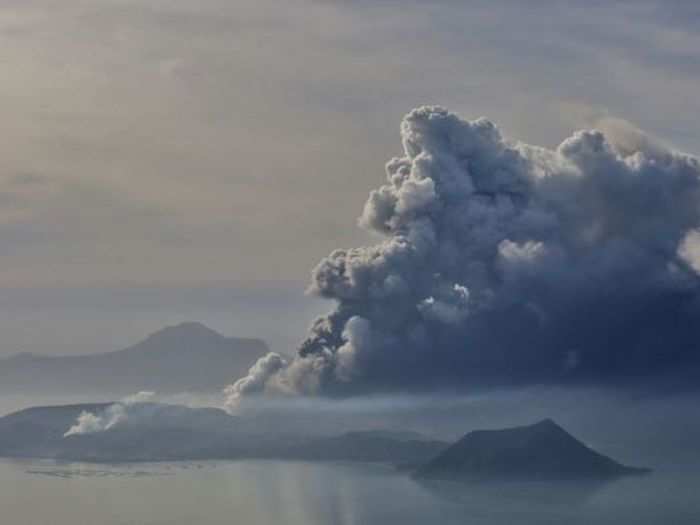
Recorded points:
196,107
254,382
501,261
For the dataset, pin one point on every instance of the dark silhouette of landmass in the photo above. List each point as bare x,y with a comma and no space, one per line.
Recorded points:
543,451
188,357
38,432
160,432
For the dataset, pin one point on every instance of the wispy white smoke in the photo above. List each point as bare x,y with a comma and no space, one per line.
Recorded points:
503,260
113,415
255,381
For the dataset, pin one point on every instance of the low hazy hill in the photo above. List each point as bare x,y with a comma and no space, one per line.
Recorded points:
543,451
154,432
150,432
38,432
181,358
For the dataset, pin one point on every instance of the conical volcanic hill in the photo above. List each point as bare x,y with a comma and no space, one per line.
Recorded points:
542,451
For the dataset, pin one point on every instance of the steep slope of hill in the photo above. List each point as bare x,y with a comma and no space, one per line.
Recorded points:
543,451
185,357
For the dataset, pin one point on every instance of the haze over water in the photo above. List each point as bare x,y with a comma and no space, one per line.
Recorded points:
272,492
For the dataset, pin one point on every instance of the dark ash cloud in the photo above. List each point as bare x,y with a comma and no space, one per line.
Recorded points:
505,263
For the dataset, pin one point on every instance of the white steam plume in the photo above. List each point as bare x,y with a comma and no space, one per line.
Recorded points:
113,415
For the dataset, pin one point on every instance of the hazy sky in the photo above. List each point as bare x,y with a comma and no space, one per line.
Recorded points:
184,144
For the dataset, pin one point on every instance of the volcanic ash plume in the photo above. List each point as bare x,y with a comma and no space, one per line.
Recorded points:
507,263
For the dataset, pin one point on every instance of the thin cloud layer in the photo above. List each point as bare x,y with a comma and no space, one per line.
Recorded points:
173,141
507,263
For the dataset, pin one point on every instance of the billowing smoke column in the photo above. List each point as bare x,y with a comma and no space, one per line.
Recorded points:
507,263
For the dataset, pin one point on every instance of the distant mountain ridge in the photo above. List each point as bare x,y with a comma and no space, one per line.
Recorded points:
152,432
543,451
156,432
180,358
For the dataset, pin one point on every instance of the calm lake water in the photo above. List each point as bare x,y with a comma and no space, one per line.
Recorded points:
272,492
